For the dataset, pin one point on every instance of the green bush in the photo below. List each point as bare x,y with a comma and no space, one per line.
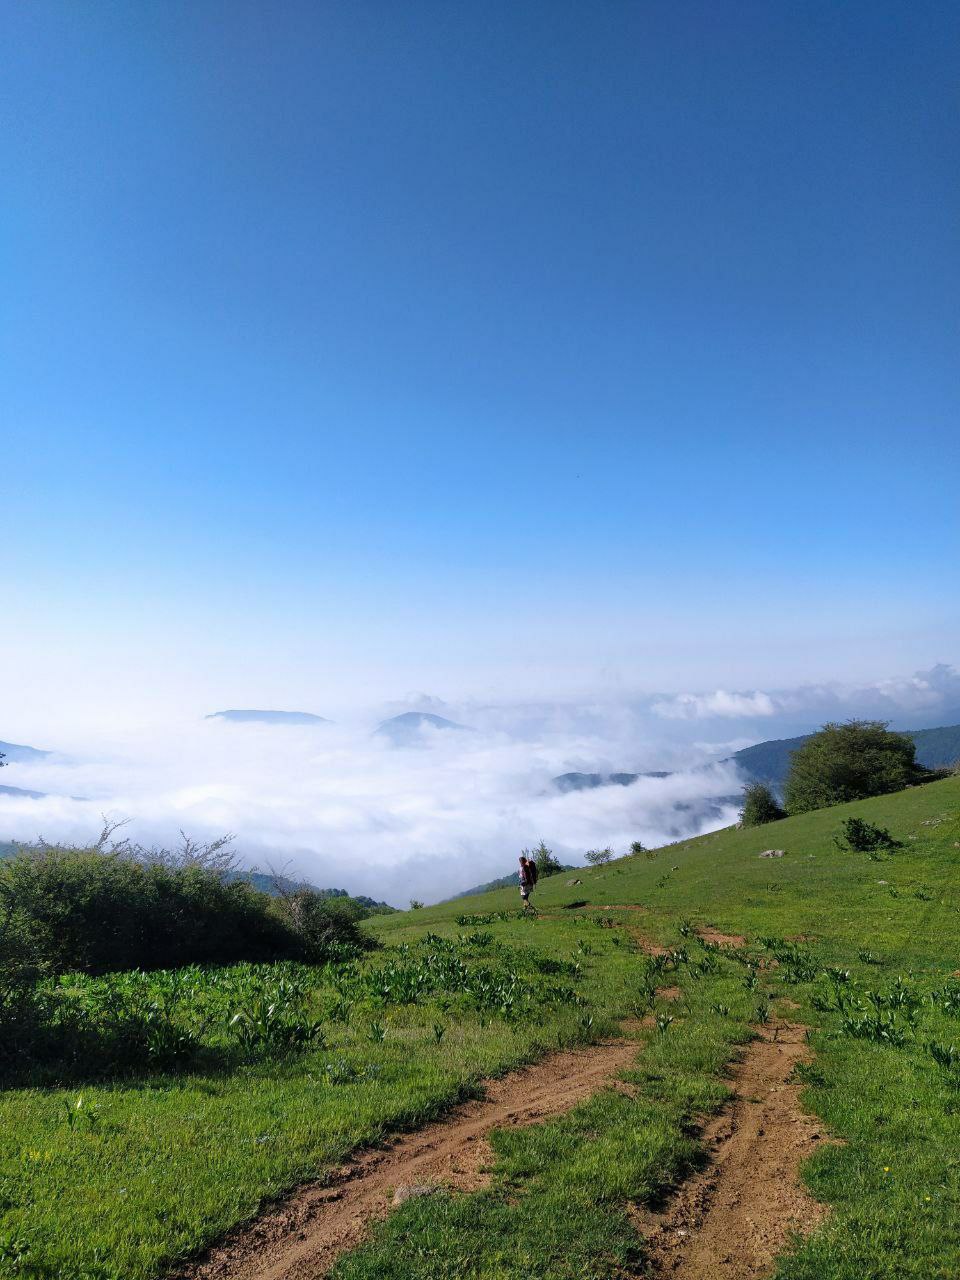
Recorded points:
324,928
860,836
850,762
64,910
599,857
759,806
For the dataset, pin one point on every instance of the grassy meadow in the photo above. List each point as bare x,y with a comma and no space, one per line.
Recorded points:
118,1178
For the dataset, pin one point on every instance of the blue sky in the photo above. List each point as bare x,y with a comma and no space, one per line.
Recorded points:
355,348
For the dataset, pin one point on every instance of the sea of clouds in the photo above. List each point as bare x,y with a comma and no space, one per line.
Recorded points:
341,806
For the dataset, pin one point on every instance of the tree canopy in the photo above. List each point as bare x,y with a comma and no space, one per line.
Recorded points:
850,762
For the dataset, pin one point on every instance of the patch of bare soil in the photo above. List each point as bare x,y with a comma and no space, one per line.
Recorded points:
645,945
730,1221
624,906
709,934
302,1236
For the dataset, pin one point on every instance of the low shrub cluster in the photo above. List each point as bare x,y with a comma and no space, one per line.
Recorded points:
64,910
501,981
85,913
860,836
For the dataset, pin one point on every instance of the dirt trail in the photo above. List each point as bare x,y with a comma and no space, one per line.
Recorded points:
730,1221
303,1236
708,934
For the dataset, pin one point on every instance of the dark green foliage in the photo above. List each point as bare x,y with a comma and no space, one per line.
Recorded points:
861,836
759,806
66,910
849,761
323,928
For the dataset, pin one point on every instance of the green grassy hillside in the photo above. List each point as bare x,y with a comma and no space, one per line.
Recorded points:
910,900
146,1169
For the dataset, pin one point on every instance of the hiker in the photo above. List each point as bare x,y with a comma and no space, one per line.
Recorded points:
528,878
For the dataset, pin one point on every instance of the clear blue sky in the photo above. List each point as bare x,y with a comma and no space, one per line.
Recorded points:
392,342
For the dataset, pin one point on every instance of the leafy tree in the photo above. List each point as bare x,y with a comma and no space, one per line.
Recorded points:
599,857
850,762
547,864
416,904
637,847
759,806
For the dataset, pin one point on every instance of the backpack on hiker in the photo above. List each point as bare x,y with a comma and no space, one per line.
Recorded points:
532,873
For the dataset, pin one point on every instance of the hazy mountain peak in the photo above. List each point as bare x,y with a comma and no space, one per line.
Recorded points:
269,717
17,751
406,728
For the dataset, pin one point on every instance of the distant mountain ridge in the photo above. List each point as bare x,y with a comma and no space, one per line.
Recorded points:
22,791
17,752
502,882
269,717
588,781
276,885
769,762
406,730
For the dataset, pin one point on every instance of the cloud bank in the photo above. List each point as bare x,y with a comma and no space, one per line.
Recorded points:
896,699
343,807
346,809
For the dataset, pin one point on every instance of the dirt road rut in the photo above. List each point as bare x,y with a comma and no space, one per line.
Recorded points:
303,1236
730,1221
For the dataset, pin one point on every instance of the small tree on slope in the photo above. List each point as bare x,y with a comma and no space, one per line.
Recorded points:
547,864
759,806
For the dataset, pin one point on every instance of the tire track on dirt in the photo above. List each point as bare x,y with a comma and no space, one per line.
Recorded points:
302,1236
730,1221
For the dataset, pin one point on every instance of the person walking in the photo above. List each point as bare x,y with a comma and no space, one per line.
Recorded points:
528,878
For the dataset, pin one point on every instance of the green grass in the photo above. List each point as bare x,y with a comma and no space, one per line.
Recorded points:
148,1170
557,1209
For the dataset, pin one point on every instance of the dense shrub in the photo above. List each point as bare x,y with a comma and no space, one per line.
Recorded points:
599,857
759,806
324,928
861,836
850,762
64,910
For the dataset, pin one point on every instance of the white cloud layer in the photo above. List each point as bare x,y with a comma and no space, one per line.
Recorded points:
893,698
345,809
700,706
